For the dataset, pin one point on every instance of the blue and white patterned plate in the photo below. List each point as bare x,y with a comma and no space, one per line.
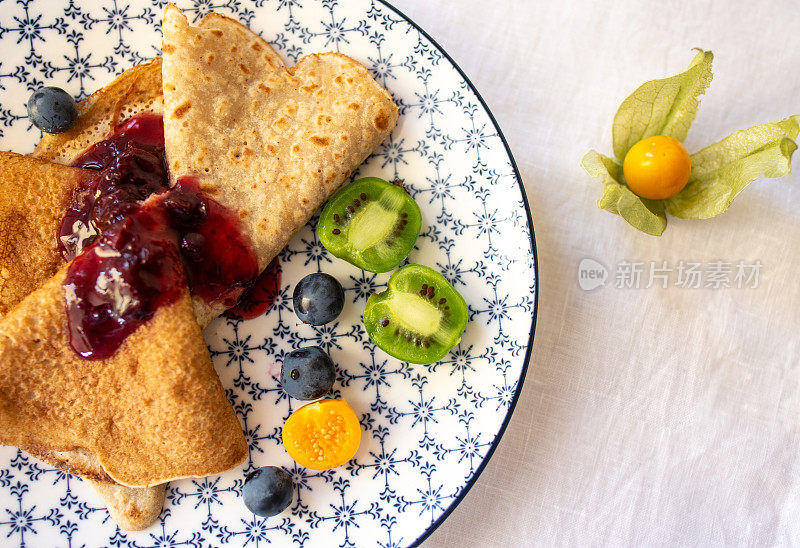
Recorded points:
428,430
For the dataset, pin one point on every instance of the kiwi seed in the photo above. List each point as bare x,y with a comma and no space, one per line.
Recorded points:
336,231
363,196
385,322
351,209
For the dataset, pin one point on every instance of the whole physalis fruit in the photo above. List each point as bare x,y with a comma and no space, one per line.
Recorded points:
322,435
657,167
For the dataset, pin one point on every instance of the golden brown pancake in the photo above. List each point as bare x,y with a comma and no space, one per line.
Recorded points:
344,116
270,143
32,203
25,211
153,412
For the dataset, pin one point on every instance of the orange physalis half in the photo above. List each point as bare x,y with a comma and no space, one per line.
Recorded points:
322,435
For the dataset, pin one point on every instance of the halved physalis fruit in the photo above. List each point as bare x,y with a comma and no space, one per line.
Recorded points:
322,435
419,317
371,224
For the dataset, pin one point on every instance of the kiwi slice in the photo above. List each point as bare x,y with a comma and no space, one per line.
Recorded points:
371,224
419,317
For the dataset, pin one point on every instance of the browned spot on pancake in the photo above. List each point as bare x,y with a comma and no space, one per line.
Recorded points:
210,58
350,80
336,155
280,123
247,151
309,88
216,32
255,104
244,69
344,137
296,149
207,78
320,141
264,88
271,149
291,109
354,106
181,110
304,201
255,46
268,59
234,49
329,179
170,87
209,188
253,186
312,74
243,213
339,80
381,121
168,48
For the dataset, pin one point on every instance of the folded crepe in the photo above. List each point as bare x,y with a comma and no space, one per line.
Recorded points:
152,412
269,142
31,207
282,169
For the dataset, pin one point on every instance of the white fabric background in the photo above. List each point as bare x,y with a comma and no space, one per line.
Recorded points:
649,416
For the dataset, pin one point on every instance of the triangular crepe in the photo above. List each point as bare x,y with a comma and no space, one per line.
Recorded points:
269,142
31,207
26,262
345,115
153,412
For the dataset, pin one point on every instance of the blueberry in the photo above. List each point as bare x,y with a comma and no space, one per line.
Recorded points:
318,299
52,110
307,373
267,491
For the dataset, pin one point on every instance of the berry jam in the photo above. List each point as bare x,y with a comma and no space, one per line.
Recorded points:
135,254
130,166
220,262
118,283
259,297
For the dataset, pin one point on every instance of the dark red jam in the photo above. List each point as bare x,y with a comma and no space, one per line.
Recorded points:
220,262
130,166
259,297
118,283
134,256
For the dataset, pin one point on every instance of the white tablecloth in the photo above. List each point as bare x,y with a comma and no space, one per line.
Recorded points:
649,415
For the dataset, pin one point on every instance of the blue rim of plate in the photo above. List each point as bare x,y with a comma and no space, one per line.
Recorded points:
465,490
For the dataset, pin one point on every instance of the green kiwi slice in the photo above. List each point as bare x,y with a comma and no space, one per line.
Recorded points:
371,224
419,317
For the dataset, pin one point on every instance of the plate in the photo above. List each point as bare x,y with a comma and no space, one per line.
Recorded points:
428,430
